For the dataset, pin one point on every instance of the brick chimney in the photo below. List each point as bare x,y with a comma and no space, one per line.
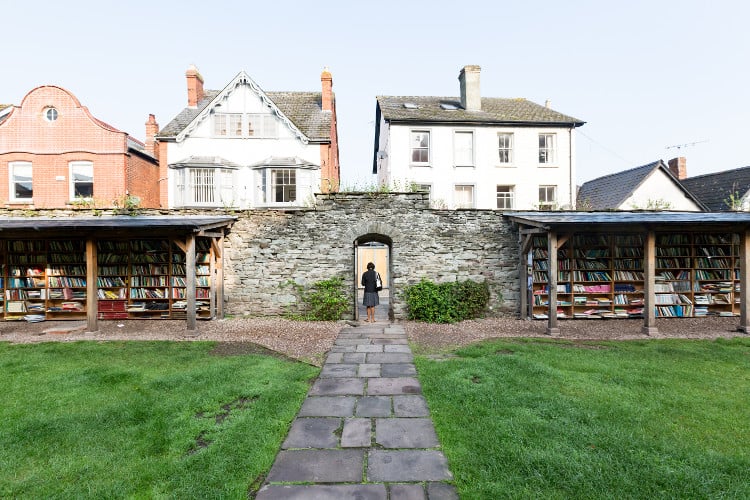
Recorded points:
471,98
326,81
152,128
678,167
194,86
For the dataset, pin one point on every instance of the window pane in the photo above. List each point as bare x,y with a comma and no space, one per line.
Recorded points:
463,143
202,185
235,124
21,180
546,148
464,196
420,147
220,124
505,197
505,148
284,185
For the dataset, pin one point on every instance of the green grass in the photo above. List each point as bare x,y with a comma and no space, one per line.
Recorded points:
141,419
531,418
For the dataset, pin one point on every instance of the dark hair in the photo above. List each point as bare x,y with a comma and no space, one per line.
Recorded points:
370,265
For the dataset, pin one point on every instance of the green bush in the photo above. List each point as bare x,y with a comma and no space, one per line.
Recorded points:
325,300
446,302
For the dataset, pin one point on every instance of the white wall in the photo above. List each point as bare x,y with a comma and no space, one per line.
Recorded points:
657,191
525,172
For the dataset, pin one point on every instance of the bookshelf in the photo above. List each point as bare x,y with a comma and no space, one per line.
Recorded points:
601,275
135,279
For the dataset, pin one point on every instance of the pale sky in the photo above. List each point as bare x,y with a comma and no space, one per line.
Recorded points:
645,76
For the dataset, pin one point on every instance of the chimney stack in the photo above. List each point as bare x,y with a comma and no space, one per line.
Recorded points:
326,81
471,98
152,128
194,86
678,167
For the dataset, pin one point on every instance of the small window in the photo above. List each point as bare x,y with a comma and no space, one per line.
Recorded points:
463,196
547,197
546,148
262,125
50,114
284,185
505,148
81,180
505,197
463,148
420,147
21,188
221,124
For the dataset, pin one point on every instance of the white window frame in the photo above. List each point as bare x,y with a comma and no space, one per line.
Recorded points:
547,151
262,125
13,167
463,155
215,189
289,186
547,202
75,168
505,148
457,188
427,148
508,197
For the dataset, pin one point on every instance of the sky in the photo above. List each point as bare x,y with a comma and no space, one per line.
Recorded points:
652,79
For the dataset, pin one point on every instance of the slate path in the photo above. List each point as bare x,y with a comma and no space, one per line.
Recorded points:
364,430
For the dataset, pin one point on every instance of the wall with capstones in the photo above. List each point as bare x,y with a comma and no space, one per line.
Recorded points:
266,249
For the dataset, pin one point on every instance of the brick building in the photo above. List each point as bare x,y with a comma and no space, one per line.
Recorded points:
55,154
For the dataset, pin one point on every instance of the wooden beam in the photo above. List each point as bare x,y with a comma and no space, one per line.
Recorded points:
190,280
217,277
552,328
649,275
744,283
92,298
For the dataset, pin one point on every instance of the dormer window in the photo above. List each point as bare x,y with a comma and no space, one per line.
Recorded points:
50,114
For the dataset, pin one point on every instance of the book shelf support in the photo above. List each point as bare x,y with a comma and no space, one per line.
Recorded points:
744,267
92,302
552,327
649,292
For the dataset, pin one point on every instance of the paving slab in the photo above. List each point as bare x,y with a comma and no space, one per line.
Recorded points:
331,370
398,370
338,387
313,433
324,492
343,348
390,341
328,406
405,433
374,406
335,357
399,348
369,348
357,433
317,466
410,406
407,465
389,357
391,386
407,492
441,491
368,371
354,357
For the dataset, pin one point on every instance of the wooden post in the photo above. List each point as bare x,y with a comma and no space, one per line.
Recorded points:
649,274
744,290
190,280
92,299
552,328
524,243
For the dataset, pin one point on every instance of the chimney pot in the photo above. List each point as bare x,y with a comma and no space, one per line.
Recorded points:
471,98
678,167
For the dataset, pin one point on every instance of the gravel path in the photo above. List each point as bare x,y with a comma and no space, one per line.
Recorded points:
309,341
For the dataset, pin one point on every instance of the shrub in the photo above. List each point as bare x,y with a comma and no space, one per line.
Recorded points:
446,302
325,300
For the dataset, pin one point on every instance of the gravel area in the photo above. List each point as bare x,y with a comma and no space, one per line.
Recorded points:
309,341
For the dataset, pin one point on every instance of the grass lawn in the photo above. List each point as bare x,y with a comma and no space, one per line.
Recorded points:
141,419
547,418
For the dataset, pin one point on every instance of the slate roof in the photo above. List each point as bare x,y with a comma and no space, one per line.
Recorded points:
284,161
610,191
4,111
302,108
496,111
204,161
560,220
714,189
114,224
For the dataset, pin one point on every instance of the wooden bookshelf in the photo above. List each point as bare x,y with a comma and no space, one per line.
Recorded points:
601,275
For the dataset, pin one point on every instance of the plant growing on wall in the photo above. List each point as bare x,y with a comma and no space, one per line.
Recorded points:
325,300
446,302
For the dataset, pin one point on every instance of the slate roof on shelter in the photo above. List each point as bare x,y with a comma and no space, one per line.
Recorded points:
107,224
714,190
302,108
610,191
625,218
494,111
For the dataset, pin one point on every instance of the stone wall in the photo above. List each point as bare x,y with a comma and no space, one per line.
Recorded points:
265,249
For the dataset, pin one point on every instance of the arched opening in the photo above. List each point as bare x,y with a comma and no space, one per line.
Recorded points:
375,248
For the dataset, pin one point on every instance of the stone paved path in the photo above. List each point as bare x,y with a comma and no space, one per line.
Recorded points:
364,430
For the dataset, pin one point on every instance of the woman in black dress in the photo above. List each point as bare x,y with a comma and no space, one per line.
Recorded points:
371,298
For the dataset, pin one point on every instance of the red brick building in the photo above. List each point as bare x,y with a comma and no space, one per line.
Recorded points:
55,154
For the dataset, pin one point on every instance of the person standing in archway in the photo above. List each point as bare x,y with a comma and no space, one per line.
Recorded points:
373,284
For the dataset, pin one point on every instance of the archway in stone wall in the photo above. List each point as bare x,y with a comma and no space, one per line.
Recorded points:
375,248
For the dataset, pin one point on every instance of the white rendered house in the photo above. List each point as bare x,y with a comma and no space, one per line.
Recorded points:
477,152
242,147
